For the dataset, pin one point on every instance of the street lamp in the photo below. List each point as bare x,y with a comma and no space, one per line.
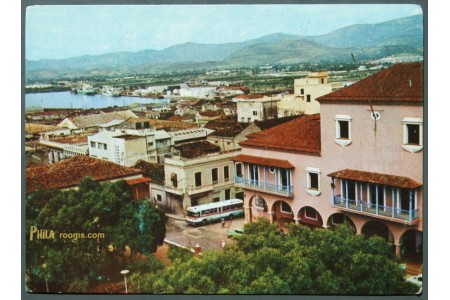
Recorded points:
124,273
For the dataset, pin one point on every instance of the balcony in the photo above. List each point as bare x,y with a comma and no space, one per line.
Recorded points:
257,185
173,190
383,212
199,189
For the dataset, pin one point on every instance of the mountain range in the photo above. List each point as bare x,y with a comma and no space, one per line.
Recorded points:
367,41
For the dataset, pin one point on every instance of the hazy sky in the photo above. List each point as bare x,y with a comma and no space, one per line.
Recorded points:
67,31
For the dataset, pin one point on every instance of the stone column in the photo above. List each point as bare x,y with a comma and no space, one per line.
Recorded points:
248,214
271,217
398,250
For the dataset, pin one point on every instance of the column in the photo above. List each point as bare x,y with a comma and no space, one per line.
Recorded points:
376,199
271,217
287,181
393,202
297,220
265,181
361,192
332,191
254,174
410,204
248,214
346,193
398,250
276,179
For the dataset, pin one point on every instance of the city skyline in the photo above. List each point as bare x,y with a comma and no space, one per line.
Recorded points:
58,32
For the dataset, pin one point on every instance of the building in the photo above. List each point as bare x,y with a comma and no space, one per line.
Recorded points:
69,173
198,173
306,92
359,161
256,107
95,120
126,147
63,148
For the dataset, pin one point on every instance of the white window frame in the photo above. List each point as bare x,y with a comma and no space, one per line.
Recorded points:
409,147
309,190
308,217
283,211
343,141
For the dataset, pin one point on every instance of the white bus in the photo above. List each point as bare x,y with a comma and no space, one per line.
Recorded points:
210,212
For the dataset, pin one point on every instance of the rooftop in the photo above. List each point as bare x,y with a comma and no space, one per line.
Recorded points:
100,118
70,172
383,179
264,161
197,149
401,82
226,128
301,134
32,128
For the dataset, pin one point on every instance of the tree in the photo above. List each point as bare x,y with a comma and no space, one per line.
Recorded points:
304,261
107,209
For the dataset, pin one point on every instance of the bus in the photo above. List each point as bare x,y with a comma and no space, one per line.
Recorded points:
210,212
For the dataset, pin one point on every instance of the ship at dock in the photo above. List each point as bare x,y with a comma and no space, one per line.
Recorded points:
84,88
110,91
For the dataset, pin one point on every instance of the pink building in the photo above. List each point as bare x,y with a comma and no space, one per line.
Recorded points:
359,161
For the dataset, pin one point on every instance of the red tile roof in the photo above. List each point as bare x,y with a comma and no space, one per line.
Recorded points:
249,97
401,82
138,180
70,172
196,149
302,135
384,179
264,161
226,128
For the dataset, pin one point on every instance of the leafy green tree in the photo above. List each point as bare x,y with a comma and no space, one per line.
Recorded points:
304,261
53,264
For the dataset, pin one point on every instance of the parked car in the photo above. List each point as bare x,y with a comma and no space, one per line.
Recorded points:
235,232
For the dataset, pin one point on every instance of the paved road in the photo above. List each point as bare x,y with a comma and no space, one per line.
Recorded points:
209,236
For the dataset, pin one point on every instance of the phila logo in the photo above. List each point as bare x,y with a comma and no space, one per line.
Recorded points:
45,234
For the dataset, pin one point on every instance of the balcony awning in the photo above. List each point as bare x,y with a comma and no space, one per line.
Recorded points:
383,179
263,161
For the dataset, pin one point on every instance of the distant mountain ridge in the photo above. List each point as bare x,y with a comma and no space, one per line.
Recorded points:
369,41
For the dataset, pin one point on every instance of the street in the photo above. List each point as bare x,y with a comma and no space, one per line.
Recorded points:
209,236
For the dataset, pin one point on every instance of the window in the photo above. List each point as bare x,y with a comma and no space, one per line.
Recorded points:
159,197
214,175
343,130
311,213
285,207
198,179
227,194
412,134
100,145
105,147
150,144
93,144
226,173
174,180
216,199
308,98
312,181
260,203
255,113
239,169
302,91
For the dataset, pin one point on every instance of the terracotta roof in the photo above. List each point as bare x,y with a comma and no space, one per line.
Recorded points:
384,179
33,128
70,172
264,161
138,180
226,128
210,113
72,140
171,125
197,149
302,134
178,118
249,97
401,82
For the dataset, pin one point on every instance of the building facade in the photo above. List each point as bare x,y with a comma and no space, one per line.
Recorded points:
256,107
360,161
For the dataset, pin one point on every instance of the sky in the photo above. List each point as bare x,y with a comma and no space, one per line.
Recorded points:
62,31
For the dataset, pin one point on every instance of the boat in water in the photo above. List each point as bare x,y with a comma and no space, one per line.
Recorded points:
85,89
111,91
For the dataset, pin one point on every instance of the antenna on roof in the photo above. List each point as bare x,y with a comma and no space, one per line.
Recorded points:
368,99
